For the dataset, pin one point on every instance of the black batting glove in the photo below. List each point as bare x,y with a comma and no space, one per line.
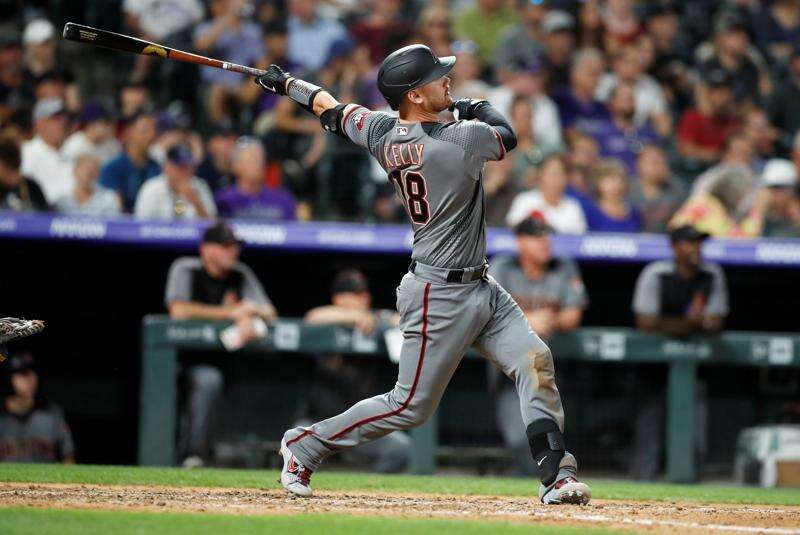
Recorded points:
274,79
466,107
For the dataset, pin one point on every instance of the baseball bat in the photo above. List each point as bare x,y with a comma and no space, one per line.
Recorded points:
125,43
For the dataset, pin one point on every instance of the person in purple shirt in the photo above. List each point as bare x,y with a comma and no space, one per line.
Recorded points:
577,106
249,197
619,137
609,210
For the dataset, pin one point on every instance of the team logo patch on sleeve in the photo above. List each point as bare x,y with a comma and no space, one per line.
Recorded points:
401,131
359,119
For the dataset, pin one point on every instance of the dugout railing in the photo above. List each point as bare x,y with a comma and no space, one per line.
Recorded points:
162,338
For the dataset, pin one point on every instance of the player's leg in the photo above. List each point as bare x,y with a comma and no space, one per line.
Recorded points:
509,342
437,321
205,384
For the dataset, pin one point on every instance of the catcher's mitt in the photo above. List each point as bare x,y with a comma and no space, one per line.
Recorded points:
12,328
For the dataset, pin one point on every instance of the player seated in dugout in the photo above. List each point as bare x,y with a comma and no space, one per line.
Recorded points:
677,297
551,293
31,428
213,286
338,383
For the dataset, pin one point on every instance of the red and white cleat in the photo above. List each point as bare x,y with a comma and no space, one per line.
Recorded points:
566,490
295,477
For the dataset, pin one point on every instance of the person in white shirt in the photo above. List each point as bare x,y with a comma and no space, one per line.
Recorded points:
42,158
527,80
176,193
96,136
88,197
549,203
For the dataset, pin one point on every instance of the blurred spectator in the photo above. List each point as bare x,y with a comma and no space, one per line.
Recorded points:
583,155
703,130
777,209
154,20
32,430
610,210
42,157
559,46
484,24
17,192
549,202
590,24
778,28
731,51
620,137
232,36
760,134
310,35
134,100
551,293
338,382
87,197
126,173
382,30
215,168
722,198
434,29
650,104
176,193
249,197
40,62
675,297
577,106
620,24
784,103
94,136
465,76
656,193
796,150
503,180
215,286
173,128
521,44
527,81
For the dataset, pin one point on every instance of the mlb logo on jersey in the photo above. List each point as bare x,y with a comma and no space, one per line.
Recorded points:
401,131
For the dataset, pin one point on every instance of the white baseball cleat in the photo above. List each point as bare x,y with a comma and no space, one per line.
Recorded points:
295,477
566,490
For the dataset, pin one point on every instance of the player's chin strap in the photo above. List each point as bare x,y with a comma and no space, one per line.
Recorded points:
547,448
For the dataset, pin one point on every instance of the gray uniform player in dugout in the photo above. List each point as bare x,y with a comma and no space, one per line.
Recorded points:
447,302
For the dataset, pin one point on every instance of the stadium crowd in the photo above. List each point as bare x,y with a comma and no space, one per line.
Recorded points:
631,116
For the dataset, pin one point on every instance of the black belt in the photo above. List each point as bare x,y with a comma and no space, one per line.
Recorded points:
457,275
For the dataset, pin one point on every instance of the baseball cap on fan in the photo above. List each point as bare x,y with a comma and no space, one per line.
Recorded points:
38,31
532,226
222,234
558,21
182,155
48,107
779,173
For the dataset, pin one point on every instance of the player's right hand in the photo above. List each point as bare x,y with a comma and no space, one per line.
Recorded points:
466,107
274,79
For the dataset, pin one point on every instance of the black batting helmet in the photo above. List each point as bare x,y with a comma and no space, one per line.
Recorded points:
409,68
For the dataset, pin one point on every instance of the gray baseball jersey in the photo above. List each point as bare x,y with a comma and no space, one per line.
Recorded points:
40,436
559,287
436,171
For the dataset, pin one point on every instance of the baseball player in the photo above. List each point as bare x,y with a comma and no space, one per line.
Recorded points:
446,301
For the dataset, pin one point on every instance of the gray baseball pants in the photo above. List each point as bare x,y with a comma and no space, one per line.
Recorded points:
440,321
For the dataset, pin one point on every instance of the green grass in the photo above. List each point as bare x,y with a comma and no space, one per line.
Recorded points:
346,481
22,521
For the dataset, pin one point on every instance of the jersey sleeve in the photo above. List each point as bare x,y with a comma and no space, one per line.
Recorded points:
478,139
647,296
365,127
573,289
718,298
179,283
251,287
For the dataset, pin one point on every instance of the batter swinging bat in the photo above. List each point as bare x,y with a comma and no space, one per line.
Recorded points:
126,43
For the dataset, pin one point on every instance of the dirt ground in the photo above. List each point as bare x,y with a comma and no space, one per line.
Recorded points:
637,517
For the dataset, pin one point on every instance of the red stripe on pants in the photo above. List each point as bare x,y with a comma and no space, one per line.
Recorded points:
417,374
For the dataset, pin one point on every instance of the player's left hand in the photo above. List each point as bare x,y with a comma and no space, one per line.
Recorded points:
274,79
466,107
